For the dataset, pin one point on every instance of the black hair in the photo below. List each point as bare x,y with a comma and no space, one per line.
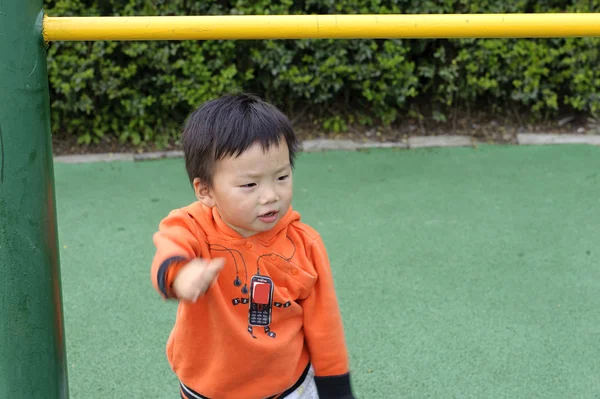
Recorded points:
228,126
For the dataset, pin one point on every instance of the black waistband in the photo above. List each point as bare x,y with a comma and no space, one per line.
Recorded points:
295,386
189,393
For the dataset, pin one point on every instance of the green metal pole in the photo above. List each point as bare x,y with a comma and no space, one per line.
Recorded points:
32,350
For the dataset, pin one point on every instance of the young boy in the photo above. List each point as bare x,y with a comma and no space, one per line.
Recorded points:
258,316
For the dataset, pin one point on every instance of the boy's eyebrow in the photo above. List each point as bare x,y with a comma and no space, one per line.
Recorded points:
279,170
284,167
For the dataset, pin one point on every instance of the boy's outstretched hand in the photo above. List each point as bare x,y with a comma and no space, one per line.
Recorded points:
194,279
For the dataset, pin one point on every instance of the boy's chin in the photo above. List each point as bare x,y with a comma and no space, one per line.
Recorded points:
263,228
259,227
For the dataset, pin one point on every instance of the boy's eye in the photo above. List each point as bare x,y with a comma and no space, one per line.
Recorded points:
282,178
249,185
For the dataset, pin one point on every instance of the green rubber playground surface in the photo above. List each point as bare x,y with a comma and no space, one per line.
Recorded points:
462,273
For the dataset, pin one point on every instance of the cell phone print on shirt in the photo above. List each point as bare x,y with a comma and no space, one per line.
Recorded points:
261,300
260,291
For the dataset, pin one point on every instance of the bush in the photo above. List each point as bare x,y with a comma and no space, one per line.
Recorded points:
142,91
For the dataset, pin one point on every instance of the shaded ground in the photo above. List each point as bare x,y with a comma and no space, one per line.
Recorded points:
461,273
483,128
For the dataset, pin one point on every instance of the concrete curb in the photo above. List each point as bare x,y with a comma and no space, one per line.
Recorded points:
88,158
440,141
549,139
148,156
345,145
320,145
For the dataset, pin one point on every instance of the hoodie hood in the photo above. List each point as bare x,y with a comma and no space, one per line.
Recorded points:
213,224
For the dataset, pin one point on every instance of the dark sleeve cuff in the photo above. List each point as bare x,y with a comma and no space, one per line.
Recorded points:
163,285
334,387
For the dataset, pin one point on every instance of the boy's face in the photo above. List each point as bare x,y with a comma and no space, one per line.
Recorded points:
253,191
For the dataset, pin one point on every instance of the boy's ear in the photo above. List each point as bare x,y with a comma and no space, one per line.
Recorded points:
203,193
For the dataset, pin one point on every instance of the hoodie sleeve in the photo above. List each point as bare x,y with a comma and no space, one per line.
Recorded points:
177,242
324,332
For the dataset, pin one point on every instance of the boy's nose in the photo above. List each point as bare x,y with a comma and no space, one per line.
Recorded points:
269,196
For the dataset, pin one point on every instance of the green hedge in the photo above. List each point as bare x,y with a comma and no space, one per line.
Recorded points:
142,91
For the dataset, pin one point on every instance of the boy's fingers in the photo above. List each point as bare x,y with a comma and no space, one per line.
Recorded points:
195,298
212,269
200,275
206,274
216,264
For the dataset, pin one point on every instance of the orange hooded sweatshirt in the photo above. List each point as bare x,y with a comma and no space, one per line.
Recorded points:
218,348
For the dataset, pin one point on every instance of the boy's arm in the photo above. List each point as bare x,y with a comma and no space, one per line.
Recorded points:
324,332
177,243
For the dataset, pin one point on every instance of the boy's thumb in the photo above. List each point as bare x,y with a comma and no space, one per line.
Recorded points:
213,268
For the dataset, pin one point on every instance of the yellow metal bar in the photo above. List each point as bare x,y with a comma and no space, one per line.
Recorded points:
322,26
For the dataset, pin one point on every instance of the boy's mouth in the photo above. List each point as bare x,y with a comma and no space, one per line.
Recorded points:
269,217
